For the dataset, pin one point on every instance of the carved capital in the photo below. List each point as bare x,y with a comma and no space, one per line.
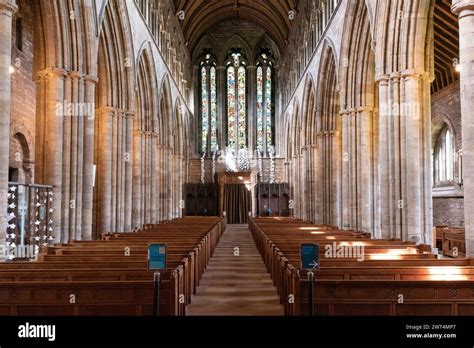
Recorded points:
8,7
463,8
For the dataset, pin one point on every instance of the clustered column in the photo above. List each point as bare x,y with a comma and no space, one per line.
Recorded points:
404,172
465,10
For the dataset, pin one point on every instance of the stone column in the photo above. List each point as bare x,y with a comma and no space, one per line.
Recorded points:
127,197
137,178
366,168
335,188
88,170
49,144
383,227
346,177
465,10
105,168
7,9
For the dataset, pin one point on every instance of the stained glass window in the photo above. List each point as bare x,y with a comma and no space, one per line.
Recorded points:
268,114
260,135
242,109
208,100
204,111
265,122
213,110
236,103
231,113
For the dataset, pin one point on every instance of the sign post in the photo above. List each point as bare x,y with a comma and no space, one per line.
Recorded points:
309,254
156,261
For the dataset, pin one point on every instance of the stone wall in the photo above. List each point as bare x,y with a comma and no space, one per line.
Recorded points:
448,211
448,202
23,99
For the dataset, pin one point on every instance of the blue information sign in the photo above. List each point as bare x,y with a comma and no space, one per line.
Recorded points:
157,256
309,254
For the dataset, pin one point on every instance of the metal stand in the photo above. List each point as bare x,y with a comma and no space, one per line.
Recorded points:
156,293
311,291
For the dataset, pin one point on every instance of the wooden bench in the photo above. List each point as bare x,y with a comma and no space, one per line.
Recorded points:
372,286
123,284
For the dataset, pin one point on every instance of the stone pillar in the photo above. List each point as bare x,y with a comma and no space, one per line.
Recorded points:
335,188
405,156
7,9
346,177
366,168
383,228
128,164
137,179
465,10
154,167
104,168
49,146
88,170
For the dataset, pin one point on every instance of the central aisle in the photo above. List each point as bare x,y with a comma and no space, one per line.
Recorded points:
236,285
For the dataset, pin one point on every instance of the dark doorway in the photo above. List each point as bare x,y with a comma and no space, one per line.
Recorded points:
237,203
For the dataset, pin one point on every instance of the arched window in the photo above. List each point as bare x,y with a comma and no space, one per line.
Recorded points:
265,120
208,105
236,73
444,158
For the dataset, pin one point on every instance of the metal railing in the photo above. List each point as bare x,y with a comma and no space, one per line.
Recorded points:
29,221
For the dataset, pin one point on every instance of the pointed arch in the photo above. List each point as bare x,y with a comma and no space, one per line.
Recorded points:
327,177
235,41
207,41
309,107
114,122
165,112
357,65
145,142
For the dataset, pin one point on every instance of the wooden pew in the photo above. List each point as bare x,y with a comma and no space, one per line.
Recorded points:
123,284
348,287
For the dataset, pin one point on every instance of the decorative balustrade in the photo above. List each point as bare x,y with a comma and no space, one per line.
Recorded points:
29,221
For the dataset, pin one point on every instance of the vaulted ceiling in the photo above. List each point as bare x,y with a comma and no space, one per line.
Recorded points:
446,47
272,15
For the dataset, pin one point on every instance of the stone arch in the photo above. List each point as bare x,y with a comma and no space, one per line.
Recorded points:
114,122
206,41
309,143
439,121
357,65
21,152
165,120
145,142
165,154
21,164
403,43
235,41
309,121
358,97
327,206
65,70
65,47
267,41
402,40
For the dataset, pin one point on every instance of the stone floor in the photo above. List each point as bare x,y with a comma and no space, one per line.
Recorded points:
236,285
